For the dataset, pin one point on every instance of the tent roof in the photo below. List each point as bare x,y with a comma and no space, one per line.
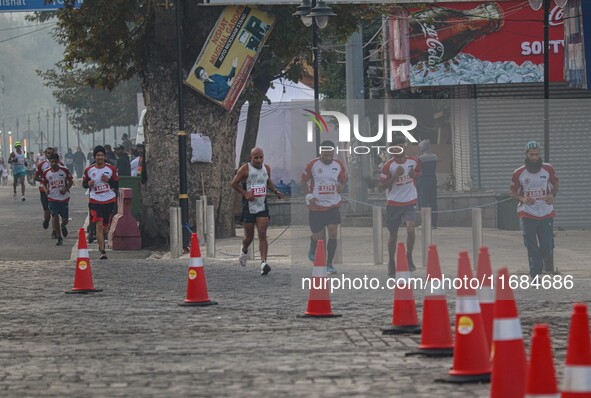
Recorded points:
284,90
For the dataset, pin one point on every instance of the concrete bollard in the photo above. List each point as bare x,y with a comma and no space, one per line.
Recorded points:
203,199
176,245
124,233
427,233
210,228
378,236
476,233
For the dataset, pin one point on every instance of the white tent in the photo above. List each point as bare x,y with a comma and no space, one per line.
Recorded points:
274,135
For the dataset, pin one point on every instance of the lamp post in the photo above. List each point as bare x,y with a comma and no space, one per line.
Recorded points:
40,132
53,130
315,13
536,5
47,127
59,127
67,130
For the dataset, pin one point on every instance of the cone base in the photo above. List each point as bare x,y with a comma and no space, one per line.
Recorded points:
320,316
197,303
465,379
410,329
83,291
432,352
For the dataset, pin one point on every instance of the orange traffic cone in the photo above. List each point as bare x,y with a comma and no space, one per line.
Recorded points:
471,358
486,293
541,376
577,372
196,285
319,298
508,363
83,277
436,337
404,315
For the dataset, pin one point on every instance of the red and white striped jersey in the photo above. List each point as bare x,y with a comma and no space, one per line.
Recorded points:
403,191
323,180
537,186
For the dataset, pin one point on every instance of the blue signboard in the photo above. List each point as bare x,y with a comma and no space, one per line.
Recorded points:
32,5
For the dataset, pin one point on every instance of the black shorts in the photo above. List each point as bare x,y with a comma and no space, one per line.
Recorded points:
101,212
320,219
59,209
248,218
43,197
396,214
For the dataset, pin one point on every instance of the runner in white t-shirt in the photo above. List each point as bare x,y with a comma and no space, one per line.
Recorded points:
535,186
398,177
57,182
252,180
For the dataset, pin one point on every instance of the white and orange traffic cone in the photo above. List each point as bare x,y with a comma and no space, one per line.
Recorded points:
196,286
319,298
541,375
404,314
486,293
577,370
508,352
83,276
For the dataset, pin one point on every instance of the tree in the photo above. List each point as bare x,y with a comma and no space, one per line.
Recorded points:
122,39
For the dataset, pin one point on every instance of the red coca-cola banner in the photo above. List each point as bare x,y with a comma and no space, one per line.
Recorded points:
473,43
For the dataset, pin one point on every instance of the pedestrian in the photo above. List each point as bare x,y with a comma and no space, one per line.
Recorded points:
41,168
102,180
135,162
79,162
19,168
323,180
111,158
123,163
69,160
398,178
252,181
126,142
57,182
427,181
535,185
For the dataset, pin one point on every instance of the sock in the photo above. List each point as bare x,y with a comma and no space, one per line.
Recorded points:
313,244
332,248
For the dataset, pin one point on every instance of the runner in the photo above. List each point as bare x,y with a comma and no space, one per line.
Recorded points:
19,168
57,182
252,181
41,167
103,181
323,179
398,177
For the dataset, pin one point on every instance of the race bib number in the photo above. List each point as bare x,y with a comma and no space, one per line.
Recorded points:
403,179
101,187
259,190
325,189
535,193
20,161
56,184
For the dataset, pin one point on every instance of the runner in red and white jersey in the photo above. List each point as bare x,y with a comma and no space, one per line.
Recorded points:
535,185
398,177
42,165
57,182
323,179
103,181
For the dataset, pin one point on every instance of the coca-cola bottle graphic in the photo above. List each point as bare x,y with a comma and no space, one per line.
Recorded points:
439,34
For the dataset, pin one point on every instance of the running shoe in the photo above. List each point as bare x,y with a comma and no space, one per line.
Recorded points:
265,269
60,242
53,235
243,258
103,256
411,264
64,231
23,199
331,269
45,224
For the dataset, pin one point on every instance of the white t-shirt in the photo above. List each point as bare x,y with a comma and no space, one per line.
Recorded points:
403,191
54,181
101,192
537,186
323,180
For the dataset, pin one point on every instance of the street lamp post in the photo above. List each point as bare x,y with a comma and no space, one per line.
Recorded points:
315,14
47,126
67,131
53,130
59,127
40,132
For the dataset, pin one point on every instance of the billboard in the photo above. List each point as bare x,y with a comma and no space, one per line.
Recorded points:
224,64
473,43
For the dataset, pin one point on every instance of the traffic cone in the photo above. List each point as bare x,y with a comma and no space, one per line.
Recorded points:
436,337
83,276
319,298
196,285
577,372
486,293
404,314
541,376
508,352
471,362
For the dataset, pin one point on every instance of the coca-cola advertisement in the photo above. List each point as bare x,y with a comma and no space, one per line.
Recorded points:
473,43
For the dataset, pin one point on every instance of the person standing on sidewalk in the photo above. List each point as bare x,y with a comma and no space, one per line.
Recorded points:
535,185
103,181
57,182
323,180
251,181
427,181
398,177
